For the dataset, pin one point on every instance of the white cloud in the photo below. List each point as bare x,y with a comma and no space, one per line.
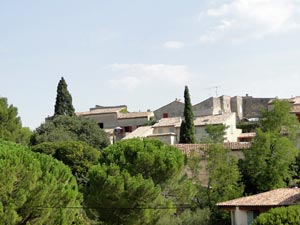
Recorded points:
174,44
240,20
133,76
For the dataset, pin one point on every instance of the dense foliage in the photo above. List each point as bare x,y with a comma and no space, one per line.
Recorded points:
224,182
138,171
63,104
79,156
10,124
279,216
187,129
215,133
70,128
272,152
35,188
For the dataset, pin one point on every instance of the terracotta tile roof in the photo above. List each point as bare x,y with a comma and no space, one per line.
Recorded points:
189,148
168,122
103,110
212,119
134,115
140,132
247,135
278,197
163,134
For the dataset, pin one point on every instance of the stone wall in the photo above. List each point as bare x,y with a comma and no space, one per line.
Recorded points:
173,109
252,107
210,106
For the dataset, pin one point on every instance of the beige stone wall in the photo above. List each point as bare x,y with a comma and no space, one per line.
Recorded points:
163,130
237,107
174,109
132,122
167,139
231,132
225,104
211,106
109,120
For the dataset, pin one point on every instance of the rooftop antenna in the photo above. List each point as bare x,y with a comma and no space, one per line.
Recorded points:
215,89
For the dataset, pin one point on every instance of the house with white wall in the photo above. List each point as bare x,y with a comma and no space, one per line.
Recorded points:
244,210
117,118
227,119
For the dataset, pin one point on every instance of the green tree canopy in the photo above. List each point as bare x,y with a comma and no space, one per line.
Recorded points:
138,171
70,128
151,158
63,104
272,152
10,124
224,182
35,188
279,216
79,156
215,133
187,129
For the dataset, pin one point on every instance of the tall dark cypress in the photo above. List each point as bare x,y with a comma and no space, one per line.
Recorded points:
187,129
63,104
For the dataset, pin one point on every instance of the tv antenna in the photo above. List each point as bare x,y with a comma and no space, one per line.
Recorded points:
215,88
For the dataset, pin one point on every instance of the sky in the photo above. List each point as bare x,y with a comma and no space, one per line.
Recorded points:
142,53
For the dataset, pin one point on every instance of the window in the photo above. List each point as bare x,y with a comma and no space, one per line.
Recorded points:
251,215
171,130
101,125
165,115
128,129
160,130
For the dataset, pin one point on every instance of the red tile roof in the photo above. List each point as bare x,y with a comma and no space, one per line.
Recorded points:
278,197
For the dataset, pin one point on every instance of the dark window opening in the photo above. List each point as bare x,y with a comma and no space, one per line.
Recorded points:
165,115
101,125
128,129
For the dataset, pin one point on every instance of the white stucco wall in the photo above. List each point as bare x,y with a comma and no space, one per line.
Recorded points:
232,132
240,217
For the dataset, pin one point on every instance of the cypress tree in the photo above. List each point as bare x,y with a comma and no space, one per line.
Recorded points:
187,129
63,104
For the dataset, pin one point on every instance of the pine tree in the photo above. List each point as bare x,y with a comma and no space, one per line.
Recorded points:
187,129
63,104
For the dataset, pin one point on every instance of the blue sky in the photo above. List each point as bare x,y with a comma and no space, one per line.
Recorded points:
142,53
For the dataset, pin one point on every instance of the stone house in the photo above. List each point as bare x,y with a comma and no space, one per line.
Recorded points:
227,119
212,106
245,107
252,107
168,129
244,210
116,120
173,109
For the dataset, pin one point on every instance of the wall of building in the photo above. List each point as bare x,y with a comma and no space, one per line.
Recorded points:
232,132
132,121
252,107
200,133
174,109
164,130
109,120
237,107
225,104
240,217
165,138
210,106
